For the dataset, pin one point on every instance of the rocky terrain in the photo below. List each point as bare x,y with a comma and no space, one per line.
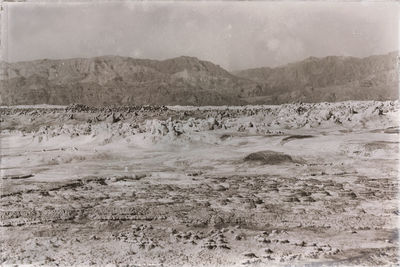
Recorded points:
287,185
331,79
114,80
117,80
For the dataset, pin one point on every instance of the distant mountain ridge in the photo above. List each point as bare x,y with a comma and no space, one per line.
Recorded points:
121,80
115,80
332,78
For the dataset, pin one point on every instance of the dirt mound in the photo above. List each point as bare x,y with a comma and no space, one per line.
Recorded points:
294,137
269,157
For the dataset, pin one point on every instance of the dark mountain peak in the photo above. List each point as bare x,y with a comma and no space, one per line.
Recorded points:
183,57
190,64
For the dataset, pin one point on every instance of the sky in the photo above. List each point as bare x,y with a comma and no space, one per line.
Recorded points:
235,35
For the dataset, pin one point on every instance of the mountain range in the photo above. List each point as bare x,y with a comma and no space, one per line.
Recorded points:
115,80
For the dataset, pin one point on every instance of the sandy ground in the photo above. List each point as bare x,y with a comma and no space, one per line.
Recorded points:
290,185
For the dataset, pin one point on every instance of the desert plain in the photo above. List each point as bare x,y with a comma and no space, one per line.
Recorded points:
280,185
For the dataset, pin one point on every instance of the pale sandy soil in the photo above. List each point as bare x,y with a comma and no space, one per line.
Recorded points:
88,187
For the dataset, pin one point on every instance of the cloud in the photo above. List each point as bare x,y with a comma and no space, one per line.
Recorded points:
235,35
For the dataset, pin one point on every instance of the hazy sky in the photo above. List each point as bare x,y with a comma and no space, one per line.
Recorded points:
235,35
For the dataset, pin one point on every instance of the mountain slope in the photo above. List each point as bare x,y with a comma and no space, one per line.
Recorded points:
329,79
119,80
114,80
